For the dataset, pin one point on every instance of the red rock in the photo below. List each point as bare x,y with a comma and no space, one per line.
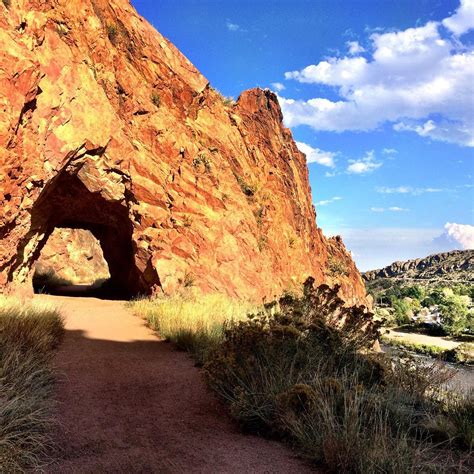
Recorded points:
106,126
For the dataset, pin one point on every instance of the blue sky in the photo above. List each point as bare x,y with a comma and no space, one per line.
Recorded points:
379,95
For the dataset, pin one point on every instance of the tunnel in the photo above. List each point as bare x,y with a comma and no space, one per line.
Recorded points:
67,203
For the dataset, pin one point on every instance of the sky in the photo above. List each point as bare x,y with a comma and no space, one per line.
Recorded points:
379,94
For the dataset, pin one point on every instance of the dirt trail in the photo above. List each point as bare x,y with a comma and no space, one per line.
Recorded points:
131,403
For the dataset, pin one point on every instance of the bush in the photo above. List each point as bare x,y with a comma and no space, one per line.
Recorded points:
303,370
156,99
112,33
28,336
454,311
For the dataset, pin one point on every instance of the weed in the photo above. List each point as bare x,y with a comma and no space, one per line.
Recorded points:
248,189
29,333
112,33
202,160
336,267
193,321
156,99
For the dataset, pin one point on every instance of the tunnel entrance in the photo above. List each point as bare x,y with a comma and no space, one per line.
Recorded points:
66,203
72,263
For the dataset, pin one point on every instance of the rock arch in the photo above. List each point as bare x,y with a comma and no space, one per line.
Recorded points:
67,203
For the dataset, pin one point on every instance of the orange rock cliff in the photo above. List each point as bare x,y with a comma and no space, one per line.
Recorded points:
106,126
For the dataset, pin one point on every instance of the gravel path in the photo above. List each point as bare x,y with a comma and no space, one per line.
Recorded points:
129,402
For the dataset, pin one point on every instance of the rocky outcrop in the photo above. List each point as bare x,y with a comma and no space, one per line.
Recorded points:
106,126
449,266
73,255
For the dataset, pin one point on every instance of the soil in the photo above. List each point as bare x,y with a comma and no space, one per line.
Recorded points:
129,402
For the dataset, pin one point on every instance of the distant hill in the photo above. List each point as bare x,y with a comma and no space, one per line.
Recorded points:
455,266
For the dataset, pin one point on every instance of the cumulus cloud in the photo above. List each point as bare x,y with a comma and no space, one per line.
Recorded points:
278,86
462,20
365,165
328,201
406,190
354,48
463,234
389,151
419,79
315,155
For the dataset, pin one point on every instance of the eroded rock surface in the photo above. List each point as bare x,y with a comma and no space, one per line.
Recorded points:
455,266
106,126
73,255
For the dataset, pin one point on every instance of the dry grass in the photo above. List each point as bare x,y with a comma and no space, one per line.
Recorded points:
193,321
286,372
29,333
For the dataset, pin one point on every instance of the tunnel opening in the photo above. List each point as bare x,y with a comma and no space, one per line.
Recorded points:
67,204
72,263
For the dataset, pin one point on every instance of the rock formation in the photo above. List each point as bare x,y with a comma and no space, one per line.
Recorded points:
73,255
106,126
455,266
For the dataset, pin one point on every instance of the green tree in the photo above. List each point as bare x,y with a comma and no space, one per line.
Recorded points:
454,314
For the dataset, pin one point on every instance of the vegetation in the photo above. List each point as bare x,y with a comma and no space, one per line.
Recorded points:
6,3
302,370
202,160
156,99
444,310
29,333
192,321
248,189
112,33
336,267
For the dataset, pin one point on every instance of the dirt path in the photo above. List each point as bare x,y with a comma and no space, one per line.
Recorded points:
131,403
443,342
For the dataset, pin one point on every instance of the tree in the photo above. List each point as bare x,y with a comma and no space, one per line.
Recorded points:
454,314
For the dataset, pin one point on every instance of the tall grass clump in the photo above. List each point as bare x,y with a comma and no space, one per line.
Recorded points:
305,372
29,333
194,322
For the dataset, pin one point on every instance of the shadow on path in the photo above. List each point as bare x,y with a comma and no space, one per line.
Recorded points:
129,402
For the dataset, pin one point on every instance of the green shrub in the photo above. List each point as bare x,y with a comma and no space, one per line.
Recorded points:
336,267
112,33
248,189
28,336
156,99
202,160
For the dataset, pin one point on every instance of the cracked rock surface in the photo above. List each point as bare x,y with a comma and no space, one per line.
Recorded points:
106,126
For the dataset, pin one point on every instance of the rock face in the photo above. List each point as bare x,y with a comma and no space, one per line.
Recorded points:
73,255
106,126
449,266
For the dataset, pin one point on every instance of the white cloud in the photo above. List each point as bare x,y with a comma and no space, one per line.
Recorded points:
461,233
462,20
354,48
315,155
278,86
392,209
389,151
232,26
416,78
364,165
407,190
328,201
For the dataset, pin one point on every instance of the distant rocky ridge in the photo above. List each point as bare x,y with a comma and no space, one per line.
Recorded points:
455,266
